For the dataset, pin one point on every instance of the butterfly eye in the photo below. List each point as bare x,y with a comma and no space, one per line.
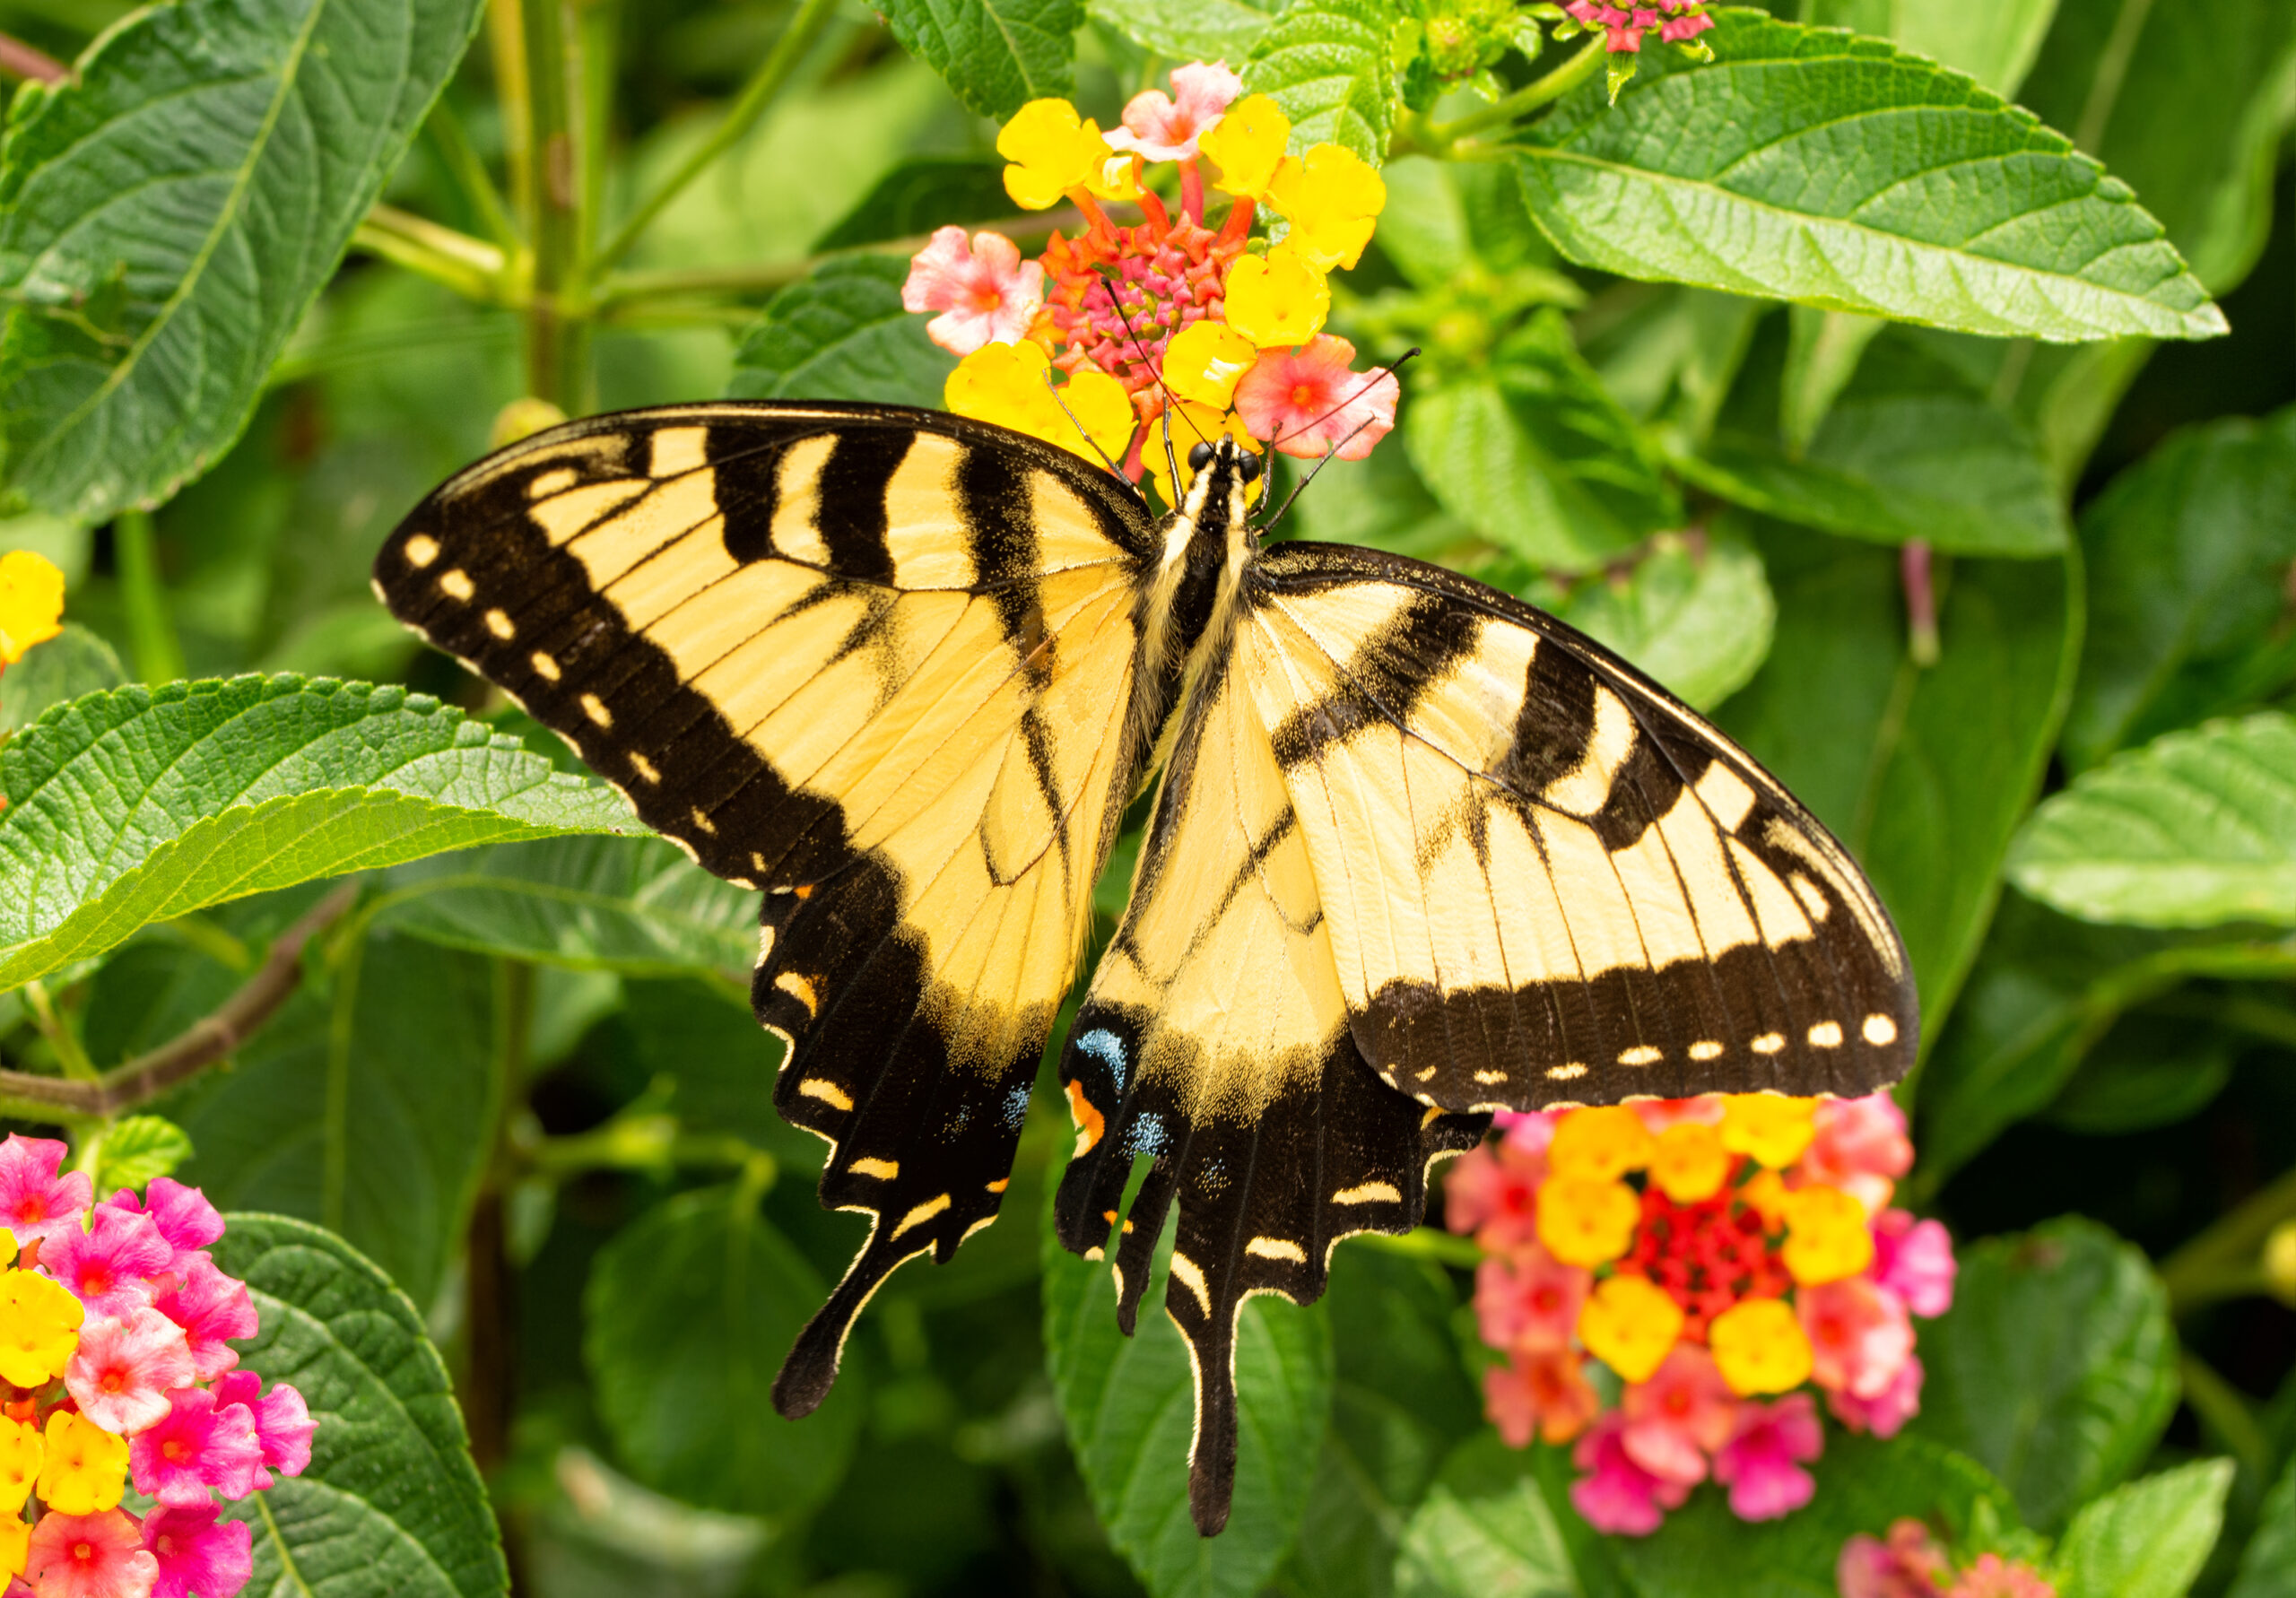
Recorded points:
1249,467
1200,456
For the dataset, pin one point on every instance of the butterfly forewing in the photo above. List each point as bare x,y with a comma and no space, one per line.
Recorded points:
876,664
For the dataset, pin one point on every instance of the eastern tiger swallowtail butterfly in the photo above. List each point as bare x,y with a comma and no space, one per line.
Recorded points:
1418,851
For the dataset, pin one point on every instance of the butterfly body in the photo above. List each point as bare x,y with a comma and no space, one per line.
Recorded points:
1418,852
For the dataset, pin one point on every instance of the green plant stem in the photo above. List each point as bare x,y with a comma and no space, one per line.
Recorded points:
2222,1262
54,1027
757,95
2225,1411
102,1094
471,267
1530,97
470,176
151,630
557,312
1425,1243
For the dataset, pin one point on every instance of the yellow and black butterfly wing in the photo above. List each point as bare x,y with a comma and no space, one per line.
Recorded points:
1546,880
1215,1039
876,663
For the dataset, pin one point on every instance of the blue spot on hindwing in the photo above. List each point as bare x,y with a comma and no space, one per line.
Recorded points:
1107,1049
1147,1135
1016,1107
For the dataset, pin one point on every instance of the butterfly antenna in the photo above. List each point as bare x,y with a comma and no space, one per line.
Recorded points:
1171,461
1061,400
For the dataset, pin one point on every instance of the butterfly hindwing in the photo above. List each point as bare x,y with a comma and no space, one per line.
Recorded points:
878,664
1215,1041
1546,880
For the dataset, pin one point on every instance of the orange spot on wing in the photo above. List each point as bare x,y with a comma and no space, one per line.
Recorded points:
1090,1123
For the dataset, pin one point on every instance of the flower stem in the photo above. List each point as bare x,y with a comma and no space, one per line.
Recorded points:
1530,97
470,176
150,631
471,267
759,94
2224,1262
19,60
2224,1410
558,323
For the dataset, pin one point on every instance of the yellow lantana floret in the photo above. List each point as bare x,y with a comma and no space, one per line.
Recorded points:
84,1468
1630,1325
1332,197
1690,1163
1052,149
1008,385
15,1545
1760,1347
1277,301
1205,360
1827,1239
1604,1144
1772,1130
1585,1221
39,1328
19,1460
32,602
1247,146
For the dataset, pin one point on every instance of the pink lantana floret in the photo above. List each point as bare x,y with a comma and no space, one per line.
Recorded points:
1679,1417
35,1202
1527,1132
124,1368
1163,127
1543,1393
90,1556
118,1265
199,1554
987,294
1859,1336
1494,1197
1908,1565
1885,1414
1914,1259
1531,1303
1762,1463
1860,1147
183,1214
282,1421
199,1444
212,1309
1616,1495
1307,401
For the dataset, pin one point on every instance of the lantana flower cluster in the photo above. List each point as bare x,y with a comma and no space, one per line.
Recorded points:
117,1367
1717,1254
1623,27
1172,312
1911,1563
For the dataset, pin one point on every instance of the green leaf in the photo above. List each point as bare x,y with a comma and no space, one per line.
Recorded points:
1184,30
996,55
840,332
1864,1485
1533,452
1400,1401
1129,1406
2146,1539
2190,118
1922,772
1485,1531
1328,65
1908,451
720,1061
2151,1071
633,905
922,193
1446,222
1823,352
1696,615
1750,175
391,1502
168,212
689,1311
137,1149
367,1104
72,662
143,803
1670,360
1993,41
2193,829
2065,1417
2268,1567
2189,553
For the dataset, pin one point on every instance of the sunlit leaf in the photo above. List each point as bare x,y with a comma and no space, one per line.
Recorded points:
2192,829
840,333
996,55
1328,63
1781,170
170,210
143,803
1185,31
1696,615
2148,1539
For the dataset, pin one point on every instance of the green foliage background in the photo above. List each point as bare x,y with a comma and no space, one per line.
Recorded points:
1718,373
